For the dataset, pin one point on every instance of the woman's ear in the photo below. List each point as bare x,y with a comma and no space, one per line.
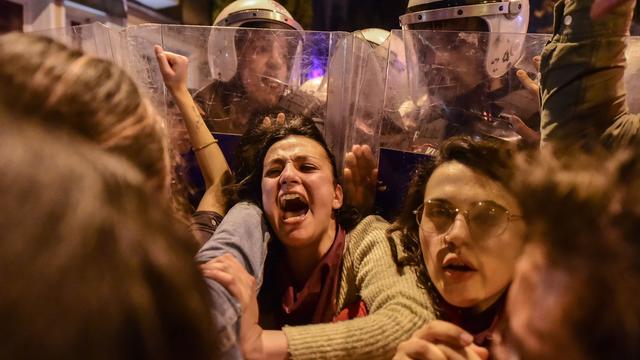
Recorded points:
338,196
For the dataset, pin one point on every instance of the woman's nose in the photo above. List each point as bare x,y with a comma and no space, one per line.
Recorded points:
459,232
289,175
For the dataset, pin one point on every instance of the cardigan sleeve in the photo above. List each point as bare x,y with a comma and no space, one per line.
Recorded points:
396,306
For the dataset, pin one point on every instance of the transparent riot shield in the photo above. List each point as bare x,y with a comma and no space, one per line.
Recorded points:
95,39
356,86
453,83
461,84
238,75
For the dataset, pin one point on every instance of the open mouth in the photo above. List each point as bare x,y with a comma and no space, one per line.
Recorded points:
455,264
270,82
294,207
458,268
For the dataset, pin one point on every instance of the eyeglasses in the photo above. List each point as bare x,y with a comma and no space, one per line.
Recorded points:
483,217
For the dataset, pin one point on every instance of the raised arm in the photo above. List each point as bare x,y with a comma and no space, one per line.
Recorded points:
582,69
213,165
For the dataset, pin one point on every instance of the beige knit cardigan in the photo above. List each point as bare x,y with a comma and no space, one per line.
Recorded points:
396,306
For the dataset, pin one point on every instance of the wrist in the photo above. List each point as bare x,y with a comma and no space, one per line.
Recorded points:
178,90
252,343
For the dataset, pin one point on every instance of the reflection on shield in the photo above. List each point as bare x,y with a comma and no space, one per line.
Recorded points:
456,84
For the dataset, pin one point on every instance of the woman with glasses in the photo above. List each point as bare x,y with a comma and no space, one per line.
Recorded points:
463,232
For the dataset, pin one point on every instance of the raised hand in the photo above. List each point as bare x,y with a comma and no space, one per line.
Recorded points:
173,68
440,340
360,178
529,83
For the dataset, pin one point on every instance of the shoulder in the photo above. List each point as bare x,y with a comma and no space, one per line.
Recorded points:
371,225
368,236
244,208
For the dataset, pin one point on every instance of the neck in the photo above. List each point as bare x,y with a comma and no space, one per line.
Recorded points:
487,303
303,260
475,319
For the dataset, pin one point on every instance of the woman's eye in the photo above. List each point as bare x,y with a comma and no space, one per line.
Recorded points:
272,172
307,167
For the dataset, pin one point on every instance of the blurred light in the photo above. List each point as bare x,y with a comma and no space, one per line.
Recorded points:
317,68
159,4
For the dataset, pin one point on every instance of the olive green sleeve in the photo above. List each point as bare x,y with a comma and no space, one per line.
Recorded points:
582,87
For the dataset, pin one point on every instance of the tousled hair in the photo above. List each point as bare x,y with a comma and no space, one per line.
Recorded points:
90,265
60,88
585,212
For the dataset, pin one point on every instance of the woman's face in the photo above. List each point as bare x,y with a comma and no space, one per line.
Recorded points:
298,192
471,264
263,68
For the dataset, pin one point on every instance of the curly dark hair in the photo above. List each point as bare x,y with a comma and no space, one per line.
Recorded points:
493,158
252,149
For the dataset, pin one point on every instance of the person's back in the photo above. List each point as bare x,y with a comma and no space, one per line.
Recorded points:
90,266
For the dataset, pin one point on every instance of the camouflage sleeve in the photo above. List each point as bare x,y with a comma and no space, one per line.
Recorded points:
582,88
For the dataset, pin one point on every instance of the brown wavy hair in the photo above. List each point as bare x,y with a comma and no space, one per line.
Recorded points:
90,265
493,158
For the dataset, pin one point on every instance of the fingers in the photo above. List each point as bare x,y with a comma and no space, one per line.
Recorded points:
348,185
226,262
419,350
453,353
366,164
229,272
529,135
475,352
351,164
527,82
536,62
444,332
280,120
163,62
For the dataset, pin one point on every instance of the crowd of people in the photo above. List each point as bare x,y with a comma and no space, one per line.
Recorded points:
506,247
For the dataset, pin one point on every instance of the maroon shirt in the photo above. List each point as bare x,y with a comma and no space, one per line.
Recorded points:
282,304
481,325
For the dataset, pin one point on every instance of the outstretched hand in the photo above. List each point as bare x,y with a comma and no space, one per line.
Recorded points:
173,68
360,178
440,340
279,120
228,271
527,82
